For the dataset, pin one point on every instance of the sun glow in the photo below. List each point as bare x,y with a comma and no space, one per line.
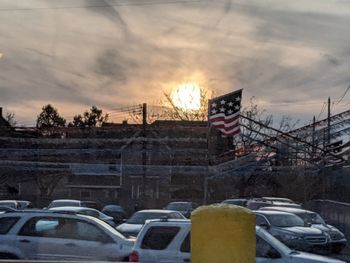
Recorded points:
187,96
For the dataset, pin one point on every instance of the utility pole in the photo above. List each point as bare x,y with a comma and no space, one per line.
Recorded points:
329,122
313,136
144,152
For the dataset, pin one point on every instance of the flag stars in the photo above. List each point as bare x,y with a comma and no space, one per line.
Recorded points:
213,111
238,99
230,104
223,102
222,109
230,111
213,105
237,107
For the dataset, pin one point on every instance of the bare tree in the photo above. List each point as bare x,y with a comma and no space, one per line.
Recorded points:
47,184
10,117
170,111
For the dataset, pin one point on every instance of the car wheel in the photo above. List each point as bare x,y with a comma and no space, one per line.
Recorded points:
8,256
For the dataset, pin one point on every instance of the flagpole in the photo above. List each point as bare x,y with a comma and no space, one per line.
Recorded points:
205,177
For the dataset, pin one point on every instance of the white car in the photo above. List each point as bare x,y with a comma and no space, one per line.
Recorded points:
47,235
133,225
175,245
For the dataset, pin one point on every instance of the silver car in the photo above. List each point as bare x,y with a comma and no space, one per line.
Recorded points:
47,235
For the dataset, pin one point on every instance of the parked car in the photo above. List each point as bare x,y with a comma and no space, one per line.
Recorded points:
175,247
133,225
184,208
337,239
256,203
16,204
72,202
240,202
291,230
86,211
48,235
278,199
116,211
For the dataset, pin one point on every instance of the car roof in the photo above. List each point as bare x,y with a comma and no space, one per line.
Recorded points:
266,212
178,221
285,209
72,208
182,202
275,198
157,211
66,200
8,201
37,212
235,199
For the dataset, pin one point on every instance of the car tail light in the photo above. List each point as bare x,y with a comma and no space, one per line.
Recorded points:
134,257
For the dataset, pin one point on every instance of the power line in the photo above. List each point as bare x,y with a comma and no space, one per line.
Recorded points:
342,97
322,110
100,5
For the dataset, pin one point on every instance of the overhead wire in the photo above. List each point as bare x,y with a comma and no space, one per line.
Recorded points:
100,5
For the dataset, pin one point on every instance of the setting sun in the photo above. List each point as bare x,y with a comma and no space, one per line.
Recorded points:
187,96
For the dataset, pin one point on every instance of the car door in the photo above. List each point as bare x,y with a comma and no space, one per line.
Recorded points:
97,244
265,253
48,238
184,254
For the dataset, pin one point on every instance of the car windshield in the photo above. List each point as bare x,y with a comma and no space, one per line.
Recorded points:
285,220
312,218
178,206
141,217
8,204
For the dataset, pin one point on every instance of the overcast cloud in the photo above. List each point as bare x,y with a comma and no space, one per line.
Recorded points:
290,56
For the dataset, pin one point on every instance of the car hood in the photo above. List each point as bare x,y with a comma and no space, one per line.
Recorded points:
312,258
326,228
303,230
129,228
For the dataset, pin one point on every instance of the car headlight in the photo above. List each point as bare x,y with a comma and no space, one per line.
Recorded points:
290,236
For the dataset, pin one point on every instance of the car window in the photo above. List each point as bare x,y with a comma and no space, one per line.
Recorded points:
6,224
39,227
260,220
158,238
141,217
176,216
63,228
265,250
86,231
186,244
178,206
285,220
9,204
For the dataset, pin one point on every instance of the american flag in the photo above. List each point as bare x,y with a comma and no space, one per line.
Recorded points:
224,112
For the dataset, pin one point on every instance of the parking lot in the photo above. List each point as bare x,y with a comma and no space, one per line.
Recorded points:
68,229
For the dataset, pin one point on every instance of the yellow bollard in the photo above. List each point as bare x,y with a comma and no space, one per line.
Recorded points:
222,233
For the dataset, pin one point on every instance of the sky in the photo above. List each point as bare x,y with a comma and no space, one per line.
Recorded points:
289,55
